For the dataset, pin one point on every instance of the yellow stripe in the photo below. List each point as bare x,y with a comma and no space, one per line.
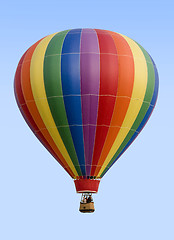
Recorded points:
38,89
138,93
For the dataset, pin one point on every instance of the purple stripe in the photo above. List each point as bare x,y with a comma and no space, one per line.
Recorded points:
90,80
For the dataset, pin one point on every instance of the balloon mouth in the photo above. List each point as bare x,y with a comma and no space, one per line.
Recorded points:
87,185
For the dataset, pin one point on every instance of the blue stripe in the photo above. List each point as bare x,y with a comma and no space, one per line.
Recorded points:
70,75
146,117
155,94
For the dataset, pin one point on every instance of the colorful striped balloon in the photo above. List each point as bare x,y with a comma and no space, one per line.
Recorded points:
86,94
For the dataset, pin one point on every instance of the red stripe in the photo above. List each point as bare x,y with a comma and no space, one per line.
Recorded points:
20,98
125,87
108,88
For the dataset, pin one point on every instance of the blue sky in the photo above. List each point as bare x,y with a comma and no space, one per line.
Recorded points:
135,199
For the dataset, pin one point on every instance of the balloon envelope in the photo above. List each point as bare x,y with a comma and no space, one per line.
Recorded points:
86,94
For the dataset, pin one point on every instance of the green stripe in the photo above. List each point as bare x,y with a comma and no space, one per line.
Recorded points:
53,88
146,102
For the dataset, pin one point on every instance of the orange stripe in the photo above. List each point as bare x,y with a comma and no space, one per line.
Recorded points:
28,95
125,87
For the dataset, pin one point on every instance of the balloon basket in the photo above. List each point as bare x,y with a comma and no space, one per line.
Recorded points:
87,207
86,203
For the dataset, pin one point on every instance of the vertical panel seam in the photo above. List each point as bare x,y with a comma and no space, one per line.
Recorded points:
98,99
81,102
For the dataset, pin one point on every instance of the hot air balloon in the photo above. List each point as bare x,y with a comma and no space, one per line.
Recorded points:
86,94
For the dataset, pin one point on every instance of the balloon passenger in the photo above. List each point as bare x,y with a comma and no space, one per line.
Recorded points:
89,199
84,200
